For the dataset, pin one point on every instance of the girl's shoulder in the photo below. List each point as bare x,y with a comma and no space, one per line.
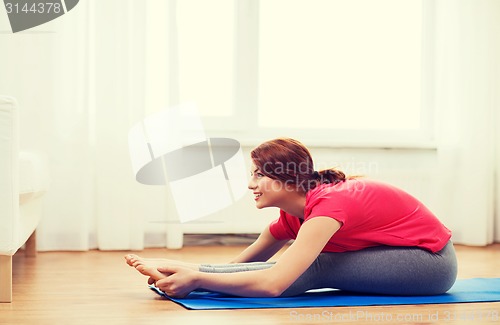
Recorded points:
351,189
349,185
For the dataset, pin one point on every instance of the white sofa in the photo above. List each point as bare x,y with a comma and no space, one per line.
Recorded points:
23,181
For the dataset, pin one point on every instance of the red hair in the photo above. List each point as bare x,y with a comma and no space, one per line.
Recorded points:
290,162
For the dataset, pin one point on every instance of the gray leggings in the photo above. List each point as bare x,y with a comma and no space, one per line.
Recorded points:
379,270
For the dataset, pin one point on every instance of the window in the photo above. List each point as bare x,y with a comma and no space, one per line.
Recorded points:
330,71
205,56
346,64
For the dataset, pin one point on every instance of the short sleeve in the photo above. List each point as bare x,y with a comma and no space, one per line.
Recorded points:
325,203
282,229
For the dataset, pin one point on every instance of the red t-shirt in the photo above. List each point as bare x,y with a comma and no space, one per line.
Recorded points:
371,214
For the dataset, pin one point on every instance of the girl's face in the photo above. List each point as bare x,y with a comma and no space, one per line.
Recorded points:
267,192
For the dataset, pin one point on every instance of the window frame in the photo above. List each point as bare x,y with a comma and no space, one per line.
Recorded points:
243,123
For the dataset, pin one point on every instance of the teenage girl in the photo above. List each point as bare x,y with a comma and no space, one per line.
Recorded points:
351,234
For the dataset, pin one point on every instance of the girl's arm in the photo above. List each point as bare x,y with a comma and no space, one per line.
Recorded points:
262,249
272,282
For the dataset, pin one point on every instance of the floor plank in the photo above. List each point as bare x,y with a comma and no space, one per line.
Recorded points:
99,288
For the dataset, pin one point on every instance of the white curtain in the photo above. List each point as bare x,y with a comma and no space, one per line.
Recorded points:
84,79
467,99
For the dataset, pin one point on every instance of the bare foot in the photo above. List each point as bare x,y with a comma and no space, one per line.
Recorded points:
135,261
152,272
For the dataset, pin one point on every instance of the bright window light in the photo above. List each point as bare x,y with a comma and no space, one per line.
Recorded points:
342,64
205,38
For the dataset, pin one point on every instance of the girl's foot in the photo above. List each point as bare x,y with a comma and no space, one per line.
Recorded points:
135,261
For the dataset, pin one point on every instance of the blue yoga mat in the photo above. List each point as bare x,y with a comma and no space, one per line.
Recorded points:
467,290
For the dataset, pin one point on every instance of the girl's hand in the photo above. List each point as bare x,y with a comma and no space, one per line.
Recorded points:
179,282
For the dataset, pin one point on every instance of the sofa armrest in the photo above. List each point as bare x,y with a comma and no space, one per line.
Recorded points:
9,175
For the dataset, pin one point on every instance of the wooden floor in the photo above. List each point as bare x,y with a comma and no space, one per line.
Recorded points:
99,288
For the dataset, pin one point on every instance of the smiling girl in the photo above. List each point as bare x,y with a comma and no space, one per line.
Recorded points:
351,234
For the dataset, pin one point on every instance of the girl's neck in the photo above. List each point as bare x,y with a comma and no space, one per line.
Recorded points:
295,205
